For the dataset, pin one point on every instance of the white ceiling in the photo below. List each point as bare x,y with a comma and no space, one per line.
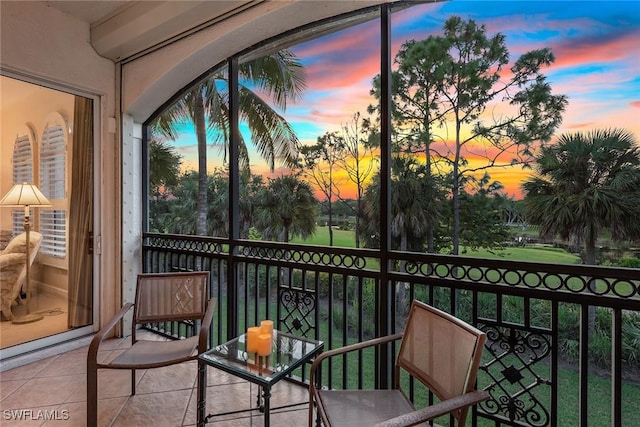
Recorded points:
89,11
121,29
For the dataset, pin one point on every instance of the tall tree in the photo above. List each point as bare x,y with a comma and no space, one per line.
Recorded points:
482,206
357,160
164,170
451,80
585,184
414,210
278,76
414,206
318,164
285,208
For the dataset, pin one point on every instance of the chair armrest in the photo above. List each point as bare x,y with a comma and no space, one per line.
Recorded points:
97,338
437,410
206,323
347,349
9,260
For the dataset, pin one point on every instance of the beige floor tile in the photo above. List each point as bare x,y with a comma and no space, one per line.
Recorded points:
243,396
79,394
9,386
69,415
156,409
115,382
165,396
43,391
27,371
65,364
181,376
111,343
224,398
218,377
108,410
290,418
29,417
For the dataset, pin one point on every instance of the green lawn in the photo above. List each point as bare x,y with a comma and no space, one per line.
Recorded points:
536,254
345,238
341,238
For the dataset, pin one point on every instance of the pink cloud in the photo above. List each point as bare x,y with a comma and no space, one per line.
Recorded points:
595,50
580,125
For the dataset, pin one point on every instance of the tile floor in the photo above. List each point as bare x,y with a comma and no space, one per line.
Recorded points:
56,387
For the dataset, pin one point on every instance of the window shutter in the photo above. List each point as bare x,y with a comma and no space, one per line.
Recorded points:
53,224
22,172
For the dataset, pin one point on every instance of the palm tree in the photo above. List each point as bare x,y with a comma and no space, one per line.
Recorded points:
279,76
164,169
286,207
415,206
587,183
415,209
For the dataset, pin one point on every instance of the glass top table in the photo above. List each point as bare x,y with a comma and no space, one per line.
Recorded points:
288,353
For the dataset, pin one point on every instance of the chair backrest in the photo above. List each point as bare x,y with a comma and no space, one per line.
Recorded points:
18,245
171,296
442,351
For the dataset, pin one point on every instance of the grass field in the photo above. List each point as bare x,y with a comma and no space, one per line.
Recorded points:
346,239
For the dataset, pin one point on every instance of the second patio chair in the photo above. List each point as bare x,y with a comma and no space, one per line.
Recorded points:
439,350
162,297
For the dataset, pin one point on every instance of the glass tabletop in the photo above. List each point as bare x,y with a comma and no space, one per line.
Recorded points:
288,352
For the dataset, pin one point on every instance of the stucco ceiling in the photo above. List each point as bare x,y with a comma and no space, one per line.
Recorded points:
89,11
121,30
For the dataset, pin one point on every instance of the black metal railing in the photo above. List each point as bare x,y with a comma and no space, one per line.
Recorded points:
541,361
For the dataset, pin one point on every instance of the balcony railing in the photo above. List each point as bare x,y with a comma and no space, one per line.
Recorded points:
543,363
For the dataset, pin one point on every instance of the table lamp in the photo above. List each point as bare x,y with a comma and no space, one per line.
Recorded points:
26,196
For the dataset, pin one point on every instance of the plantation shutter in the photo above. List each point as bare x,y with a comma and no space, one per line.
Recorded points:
53,222
22,172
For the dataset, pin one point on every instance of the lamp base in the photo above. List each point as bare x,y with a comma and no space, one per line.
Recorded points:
28,318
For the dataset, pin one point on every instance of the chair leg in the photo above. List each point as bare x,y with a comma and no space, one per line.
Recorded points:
310,410
92,396
133,382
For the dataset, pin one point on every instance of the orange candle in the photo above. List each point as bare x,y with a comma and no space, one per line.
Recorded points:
252,339
264,344
266,327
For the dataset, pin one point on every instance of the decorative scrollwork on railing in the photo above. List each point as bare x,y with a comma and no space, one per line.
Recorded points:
193,245
574,279
510,376
298,311
300,256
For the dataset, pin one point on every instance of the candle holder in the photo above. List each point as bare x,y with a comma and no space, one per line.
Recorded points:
266,327
252,339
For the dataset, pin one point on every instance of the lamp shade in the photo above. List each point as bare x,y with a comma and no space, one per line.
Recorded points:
24,194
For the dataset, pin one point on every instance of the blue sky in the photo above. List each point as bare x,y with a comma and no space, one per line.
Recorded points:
596,45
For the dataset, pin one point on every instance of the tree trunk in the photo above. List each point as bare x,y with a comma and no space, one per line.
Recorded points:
357,224
402,306
201,134
590,259
330,223
456,194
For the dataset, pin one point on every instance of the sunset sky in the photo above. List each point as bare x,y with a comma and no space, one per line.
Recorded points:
596,45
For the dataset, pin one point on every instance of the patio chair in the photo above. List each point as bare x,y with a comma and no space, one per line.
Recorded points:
439,350
13,268
162,297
